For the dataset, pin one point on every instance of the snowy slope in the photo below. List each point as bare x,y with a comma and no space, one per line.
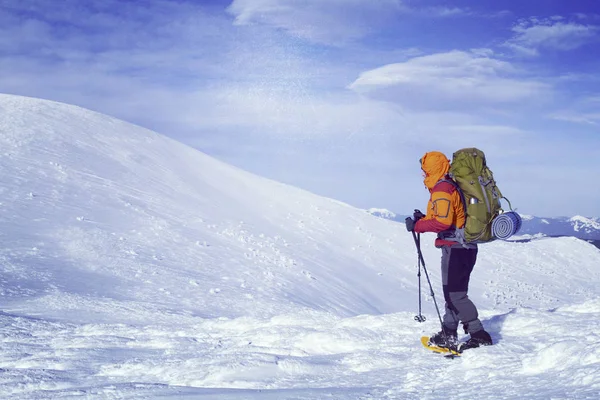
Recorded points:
134,266
126,208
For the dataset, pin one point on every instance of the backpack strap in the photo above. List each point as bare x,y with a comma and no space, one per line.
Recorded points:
460,192
459,233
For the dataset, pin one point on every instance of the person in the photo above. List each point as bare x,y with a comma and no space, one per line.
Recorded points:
446,217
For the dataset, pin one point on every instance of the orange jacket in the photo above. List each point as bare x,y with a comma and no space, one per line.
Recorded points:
445,210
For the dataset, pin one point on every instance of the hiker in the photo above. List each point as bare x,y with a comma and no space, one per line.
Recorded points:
446,217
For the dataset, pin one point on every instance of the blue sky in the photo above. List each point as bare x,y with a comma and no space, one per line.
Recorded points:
340,97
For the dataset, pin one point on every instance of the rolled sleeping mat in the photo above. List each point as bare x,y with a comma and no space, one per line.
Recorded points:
506,224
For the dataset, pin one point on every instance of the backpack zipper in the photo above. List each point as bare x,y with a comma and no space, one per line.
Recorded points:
485,197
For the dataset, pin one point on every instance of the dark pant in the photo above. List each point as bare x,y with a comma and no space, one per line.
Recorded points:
457,265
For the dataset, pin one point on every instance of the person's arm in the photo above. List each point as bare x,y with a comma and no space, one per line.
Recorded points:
440,212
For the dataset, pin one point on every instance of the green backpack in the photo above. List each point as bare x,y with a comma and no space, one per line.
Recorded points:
480,195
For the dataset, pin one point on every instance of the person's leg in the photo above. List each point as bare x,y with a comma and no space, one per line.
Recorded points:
450,319
460,264
448,335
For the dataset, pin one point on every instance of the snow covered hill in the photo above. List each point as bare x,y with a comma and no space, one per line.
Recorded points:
132,266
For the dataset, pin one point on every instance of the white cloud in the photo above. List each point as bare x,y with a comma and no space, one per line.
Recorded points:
450,79
584,110
336,22
587,16
553,33
580,118
330,22
443,12
157,65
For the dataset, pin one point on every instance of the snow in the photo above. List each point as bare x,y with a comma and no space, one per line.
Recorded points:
382,212
583,223
133,266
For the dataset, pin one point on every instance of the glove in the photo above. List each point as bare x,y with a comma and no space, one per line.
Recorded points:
418,215
410,224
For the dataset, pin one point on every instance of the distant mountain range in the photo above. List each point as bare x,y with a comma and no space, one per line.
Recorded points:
581,227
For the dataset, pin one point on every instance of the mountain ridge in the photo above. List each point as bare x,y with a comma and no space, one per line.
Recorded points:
586,228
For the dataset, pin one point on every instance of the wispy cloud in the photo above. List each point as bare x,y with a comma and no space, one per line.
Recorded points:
334,22
580,118
447,80
584,111
444,11
590,16
330,22
117,36
158,64
554,33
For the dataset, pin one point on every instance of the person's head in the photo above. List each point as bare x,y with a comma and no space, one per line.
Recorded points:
435,166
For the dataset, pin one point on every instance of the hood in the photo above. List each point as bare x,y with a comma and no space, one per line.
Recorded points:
435,165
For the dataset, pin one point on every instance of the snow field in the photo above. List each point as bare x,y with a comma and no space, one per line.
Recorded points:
132,266
548,352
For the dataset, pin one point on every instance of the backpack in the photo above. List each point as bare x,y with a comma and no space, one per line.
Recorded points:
479,193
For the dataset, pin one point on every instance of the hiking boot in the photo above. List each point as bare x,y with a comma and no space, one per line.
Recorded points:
439,339
479,338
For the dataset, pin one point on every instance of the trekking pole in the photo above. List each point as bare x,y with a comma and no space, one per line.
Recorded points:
418,245
420,317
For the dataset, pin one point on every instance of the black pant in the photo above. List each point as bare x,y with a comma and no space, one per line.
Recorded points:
457,265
